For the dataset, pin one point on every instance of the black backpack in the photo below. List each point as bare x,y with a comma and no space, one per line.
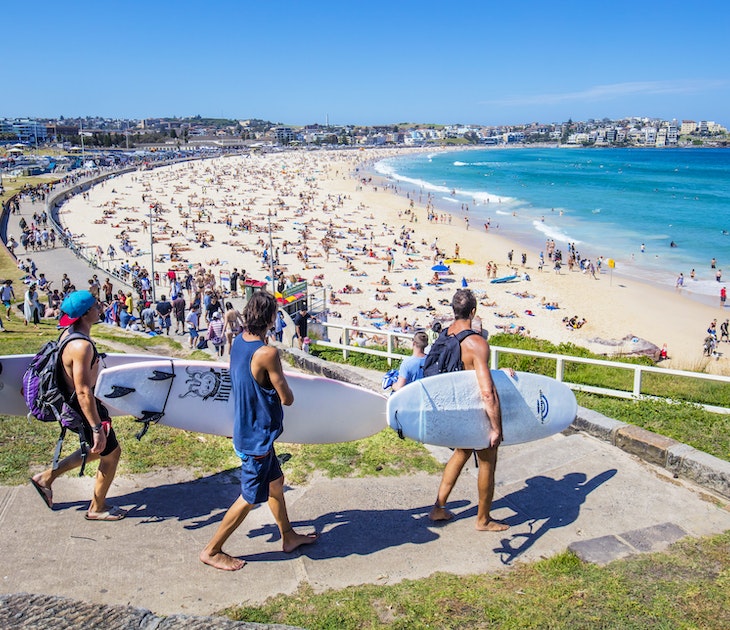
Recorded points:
445,353
46,396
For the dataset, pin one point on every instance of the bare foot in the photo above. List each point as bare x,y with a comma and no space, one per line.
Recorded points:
438,513
222,561
292,540
492,526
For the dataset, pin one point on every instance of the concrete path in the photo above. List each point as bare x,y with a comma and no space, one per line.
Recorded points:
565,491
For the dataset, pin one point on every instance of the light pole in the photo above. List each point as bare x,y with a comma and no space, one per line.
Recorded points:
81,133
271,259
152,256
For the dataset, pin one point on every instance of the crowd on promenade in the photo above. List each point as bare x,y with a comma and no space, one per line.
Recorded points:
191,298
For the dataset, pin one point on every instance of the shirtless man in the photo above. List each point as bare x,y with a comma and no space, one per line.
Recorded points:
80,363
475,356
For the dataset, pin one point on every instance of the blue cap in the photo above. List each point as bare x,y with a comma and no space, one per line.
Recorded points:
75,306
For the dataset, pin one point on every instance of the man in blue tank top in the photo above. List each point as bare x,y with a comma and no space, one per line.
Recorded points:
259,390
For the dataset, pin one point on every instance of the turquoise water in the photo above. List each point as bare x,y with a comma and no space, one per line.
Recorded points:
607,201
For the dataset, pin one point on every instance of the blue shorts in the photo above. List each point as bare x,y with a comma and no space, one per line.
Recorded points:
193,332
256,475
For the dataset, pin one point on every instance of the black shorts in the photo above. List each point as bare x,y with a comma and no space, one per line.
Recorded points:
111,437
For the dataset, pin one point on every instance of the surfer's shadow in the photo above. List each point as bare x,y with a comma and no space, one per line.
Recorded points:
357,532
544,504
199,501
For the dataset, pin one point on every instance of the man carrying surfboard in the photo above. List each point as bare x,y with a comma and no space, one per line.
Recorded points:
259,389
79,365
474,356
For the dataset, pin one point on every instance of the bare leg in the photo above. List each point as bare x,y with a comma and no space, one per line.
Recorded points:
485,484
213,553
104,477
448,481
290,540
46,478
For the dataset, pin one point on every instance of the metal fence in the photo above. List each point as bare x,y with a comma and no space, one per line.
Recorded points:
347,338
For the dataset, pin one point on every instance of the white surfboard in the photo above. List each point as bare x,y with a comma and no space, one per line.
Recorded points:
196,396
13,366
447,409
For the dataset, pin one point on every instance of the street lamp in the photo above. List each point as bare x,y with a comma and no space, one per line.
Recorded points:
152,256
271,259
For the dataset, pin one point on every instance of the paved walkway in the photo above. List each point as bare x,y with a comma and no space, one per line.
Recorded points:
564,492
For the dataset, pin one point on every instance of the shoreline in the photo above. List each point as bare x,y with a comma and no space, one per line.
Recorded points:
529,233
314,195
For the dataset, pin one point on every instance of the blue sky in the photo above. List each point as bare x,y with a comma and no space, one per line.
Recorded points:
297,62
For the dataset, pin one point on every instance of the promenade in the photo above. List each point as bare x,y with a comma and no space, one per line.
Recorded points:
567,492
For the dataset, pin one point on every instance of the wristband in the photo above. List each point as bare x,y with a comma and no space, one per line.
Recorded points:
96,428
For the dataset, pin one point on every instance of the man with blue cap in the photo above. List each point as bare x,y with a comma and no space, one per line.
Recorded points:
79,362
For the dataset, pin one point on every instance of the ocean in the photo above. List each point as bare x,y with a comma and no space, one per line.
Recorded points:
608,202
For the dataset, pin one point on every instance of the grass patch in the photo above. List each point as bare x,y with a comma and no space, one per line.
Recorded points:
383,454
359,359
685,587
684,422
27,445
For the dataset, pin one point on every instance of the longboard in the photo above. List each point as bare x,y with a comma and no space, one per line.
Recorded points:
12,368
196,396
447,409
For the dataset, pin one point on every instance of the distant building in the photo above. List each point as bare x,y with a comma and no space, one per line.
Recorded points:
25,130
688,127
283,135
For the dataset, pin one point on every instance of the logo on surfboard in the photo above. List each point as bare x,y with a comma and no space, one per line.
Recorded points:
207,384
543,408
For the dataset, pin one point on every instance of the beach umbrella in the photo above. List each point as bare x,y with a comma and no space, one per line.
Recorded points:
439,267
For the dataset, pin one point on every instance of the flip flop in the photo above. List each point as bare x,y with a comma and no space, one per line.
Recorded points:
112,514
45,493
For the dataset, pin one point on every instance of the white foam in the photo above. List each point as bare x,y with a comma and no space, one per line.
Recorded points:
553,232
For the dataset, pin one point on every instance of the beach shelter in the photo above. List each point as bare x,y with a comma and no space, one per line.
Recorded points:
464,283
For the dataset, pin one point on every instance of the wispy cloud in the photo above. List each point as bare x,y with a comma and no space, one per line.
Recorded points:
612,91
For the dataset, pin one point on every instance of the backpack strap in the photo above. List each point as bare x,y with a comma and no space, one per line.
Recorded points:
460,336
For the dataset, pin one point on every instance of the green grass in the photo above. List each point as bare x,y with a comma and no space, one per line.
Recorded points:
685,587
383,454
359,359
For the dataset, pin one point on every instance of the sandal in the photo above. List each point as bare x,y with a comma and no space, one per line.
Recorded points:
45,493
112,514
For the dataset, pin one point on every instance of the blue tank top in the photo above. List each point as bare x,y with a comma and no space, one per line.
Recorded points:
258,410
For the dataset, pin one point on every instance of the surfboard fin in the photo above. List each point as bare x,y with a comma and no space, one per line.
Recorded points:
159,375
148,417
119,390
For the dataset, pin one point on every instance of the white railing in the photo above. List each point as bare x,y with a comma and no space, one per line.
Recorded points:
342,333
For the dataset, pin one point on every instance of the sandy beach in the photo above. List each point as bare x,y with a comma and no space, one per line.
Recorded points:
338,229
